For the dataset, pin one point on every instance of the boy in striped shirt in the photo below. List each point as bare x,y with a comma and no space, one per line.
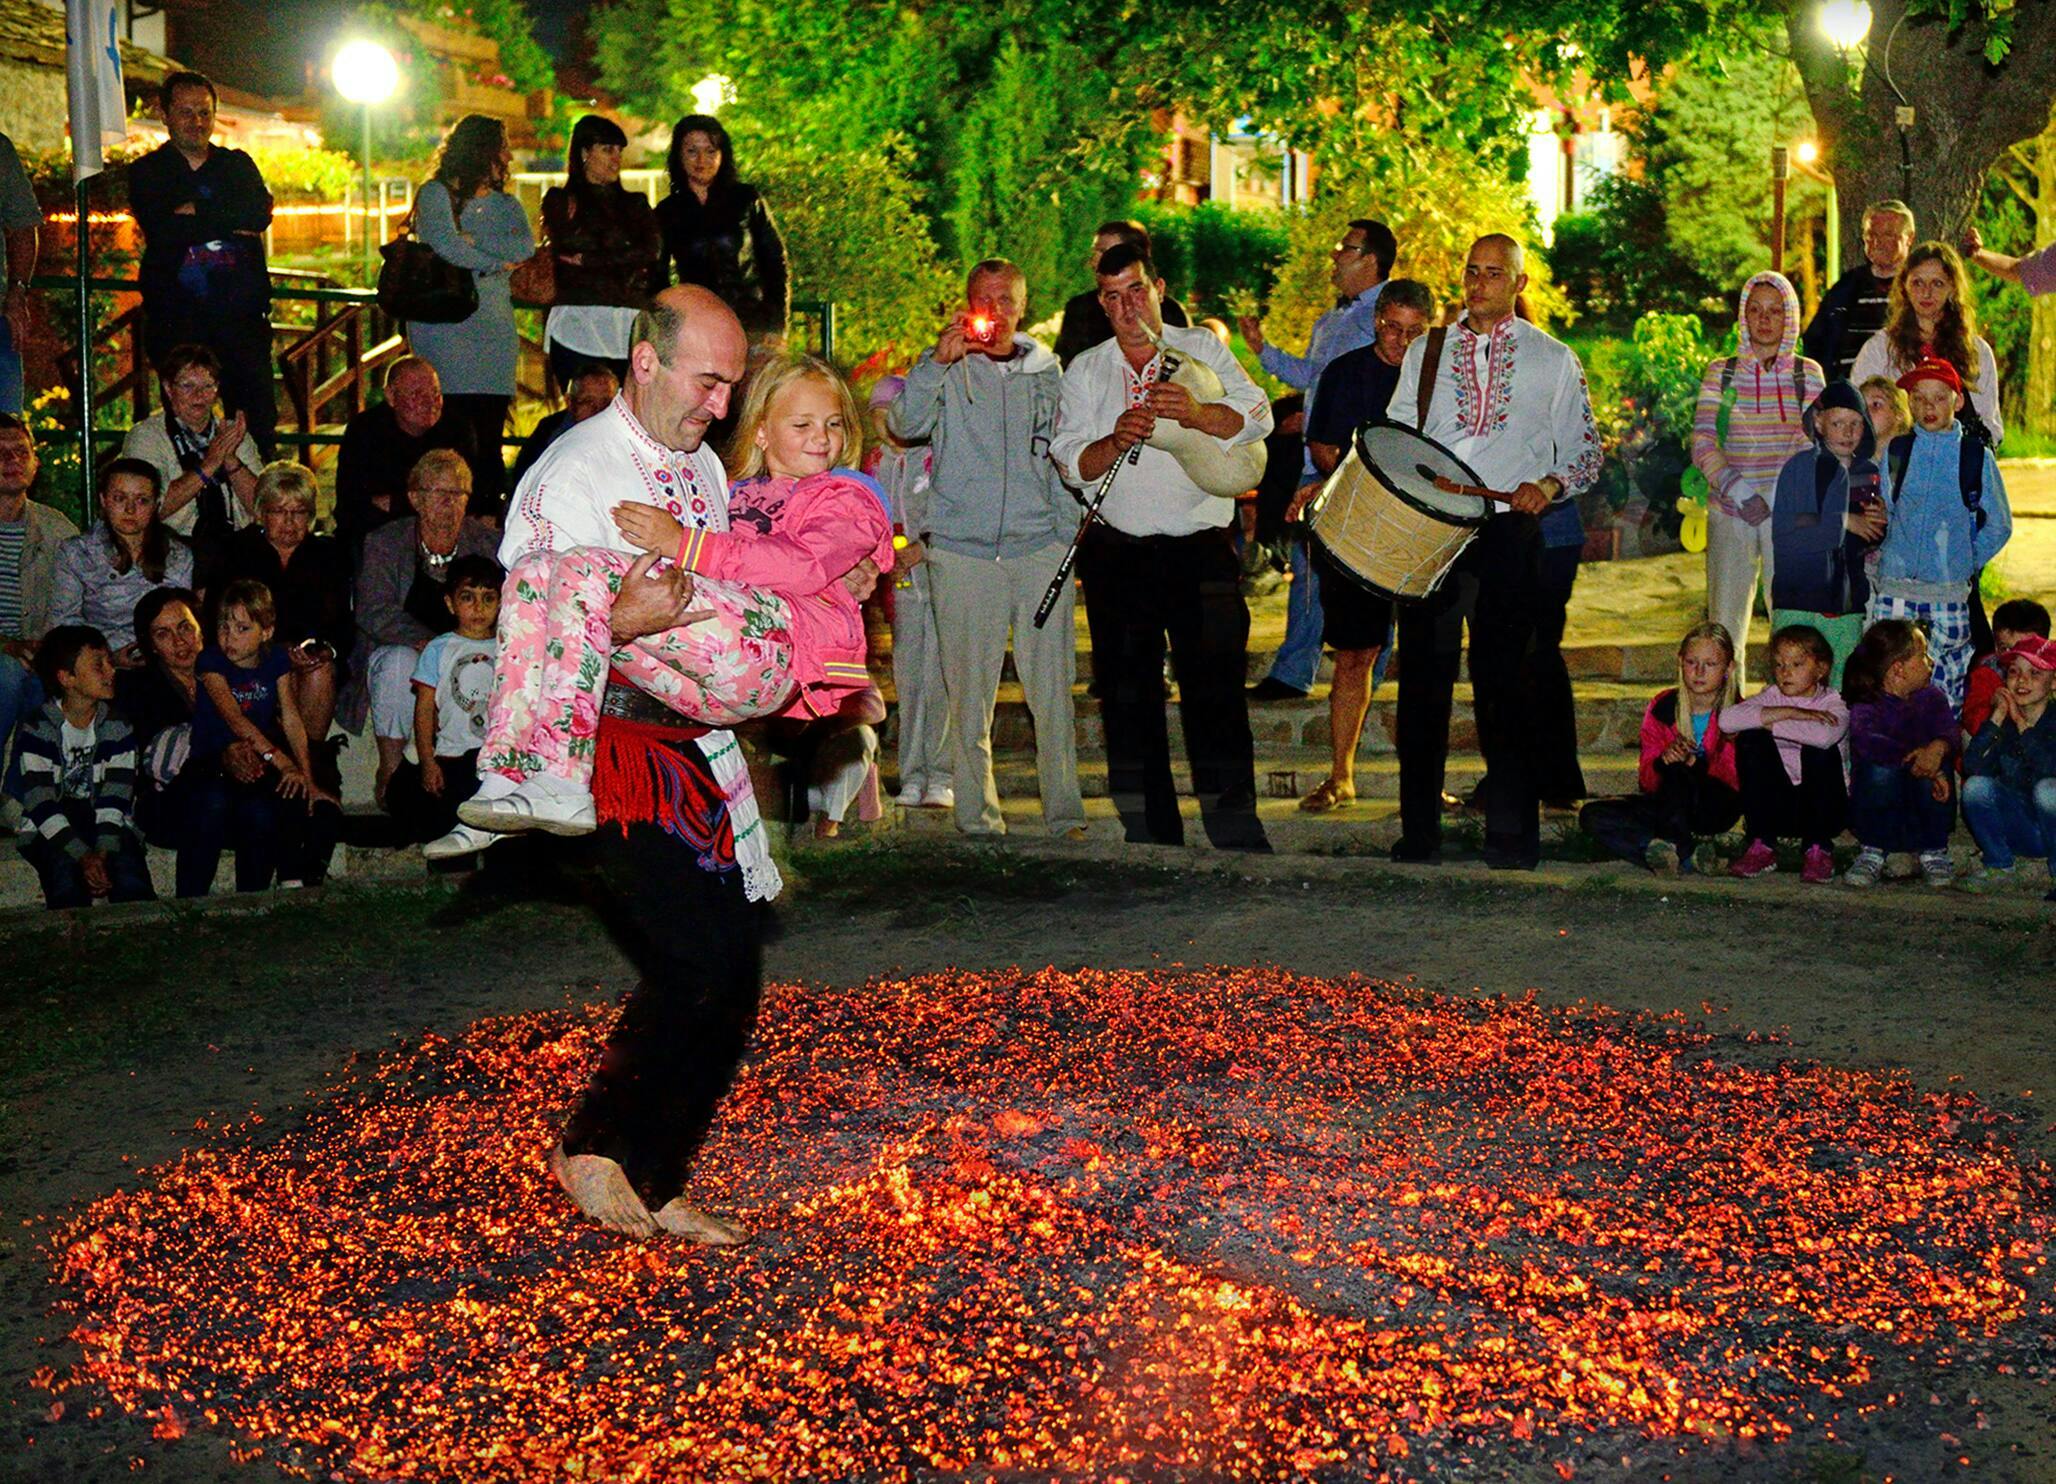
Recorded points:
78,770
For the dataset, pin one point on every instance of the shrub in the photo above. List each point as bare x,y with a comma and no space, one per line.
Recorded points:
854,234
1205,252
1617,260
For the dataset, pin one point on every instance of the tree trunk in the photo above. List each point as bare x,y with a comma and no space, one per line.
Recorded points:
1965,110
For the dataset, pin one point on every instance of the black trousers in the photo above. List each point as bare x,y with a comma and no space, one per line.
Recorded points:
487,416
1431,634
697,944
1139,591
1557,772
1814,810
424,816
1687,806
243,346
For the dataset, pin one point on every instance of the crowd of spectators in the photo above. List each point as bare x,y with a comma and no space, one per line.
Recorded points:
174,673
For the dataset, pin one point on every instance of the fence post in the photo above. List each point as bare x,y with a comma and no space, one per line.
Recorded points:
84,240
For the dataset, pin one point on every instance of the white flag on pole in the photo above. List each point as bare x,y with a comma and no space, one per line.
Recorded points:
92,64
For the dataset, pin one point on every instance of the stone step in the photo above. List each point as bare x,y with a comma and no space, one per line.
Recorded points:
1292,773
1609,718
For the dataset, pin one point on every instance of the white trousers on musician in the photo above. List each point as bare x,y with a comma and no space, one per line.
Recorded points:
977,602
1733,549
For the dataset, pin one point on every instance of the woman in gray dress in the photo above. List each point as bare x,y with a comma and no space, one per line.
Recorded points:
465,214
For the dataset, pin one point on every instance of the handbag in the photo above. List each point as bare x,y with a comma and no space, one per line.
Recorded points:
535,281
418,285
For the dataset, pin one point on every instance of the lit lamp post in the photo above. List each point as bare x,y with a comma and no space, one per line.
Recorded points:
1780,173
1846,23
366,74
1806,159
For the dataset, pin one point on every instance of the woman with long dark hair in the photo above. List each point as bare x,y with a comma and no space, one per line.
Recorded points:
103,574
465,214
609,254
1932,316
718,232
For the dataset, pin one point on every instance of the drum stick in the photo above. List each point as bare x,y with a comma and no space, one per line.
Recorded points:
1449,486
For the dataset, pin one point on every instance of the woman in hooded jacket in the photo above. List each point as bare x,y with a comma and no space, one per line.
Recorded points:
1746,425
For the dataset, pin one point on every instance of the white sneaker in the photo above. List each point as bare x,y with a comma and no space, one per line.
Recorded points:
463,840
531,806
938,796
909,796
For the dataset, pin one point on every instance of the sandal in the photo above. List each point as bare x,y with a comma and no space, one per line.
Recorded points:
1329,795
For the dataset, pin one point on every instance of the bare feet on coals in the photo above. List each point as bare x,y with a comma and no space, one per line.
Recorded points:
598,1187
680,1220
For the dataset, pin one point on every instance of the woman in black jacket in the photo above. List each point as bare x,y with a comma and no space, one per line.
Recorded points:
609,255
718,232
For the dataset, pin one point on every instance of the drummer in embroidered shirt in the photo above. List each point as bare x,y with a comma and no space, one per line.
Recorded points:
1509,400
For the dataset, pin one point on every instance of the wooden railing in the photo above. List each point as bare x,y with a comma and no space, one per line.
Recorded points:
328,368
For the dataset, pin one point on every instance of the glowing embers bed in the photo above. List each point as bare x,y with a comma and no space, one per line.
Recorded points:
1193,1224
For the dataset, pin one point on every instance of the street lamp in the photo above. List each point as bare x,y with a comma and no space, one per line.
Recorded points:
1806,160
1845,23
366,74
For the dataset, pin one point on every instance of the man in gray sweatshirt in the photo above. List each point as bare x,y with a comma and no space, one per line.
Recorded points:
999,521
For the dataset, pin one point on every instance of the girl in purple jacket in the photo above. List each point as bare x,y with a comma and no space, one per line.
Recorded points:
1902,740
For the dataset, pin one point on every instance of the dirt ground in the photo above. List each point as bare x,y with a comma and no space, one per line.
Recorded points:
116,1039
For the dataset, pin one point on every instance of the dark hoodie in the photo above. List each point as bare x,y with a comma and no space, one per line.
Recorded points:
1817,562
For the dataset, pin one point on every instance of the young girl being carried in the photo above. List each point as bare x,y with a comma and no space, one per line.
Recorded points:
1788,755
1688,764
1902,740
782,632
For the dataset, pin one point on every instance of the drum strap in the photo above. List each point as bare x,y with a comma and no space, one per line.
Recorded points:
1431,362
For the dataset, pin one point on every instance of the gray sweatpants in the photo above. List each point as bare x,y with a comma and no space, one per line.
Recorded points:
924,756
976,603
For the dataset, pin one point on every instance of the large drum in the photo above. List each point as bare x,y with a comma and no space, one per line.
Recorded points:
1382,520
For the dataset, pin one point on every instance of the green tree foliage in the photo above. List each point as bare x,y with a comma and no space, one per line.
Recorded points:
1617,260
1707,140
1023,185
1207,252
857,235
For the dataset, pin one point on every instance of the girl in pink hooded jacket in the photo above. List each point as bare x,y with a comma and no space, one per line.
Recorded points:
795,533
1745,426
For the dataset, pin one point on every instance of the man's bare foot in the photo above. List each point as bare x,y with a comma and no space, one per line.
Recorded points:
598,1187
695,1225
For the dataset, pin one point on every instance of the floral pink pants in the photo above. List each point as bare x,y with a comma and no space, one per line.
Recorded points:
557,645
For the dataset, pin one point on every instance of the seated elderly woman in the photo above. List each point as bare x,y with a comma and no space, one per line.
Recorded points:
400,607
309,578
206,464
103,574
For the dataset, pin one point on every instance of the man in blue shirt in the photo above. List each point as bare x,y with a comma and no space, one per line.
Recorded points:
1360,264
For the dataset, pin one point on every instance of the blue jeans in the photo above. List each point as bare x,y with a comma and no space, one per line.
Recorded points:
64,880
20,694
11,389
1298,660
1891,810
2006,822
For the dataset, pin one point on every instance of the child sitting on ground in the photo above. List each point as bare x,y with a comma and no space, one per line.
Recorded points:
2009,787
243,697
1688,764
778,631
1827,517
1788,756
453,685
1948,518
906,474
1902,734
2012,621
78,774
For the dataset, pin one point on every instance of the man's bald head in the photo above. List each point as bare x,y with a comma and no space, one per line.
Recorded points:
685,356
1504,250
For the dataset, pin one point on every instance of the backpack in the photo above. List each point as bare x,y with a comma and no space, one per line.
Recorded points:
1970,472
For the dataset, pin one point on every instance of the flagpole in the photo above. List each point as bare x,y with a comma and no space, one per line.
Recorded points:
84,236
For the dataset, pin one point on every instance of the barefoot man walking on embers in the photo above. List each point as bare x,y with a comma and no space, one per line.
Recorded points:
680,852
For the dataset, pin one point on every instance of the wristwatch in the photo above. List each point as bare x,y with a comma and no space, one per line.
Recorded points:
269,757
